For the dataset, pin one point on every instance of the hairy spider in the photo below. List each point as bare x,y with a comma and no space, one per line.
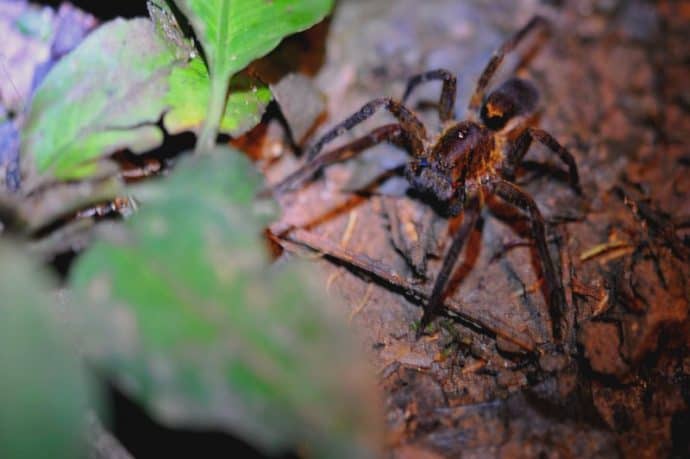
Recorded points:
466,162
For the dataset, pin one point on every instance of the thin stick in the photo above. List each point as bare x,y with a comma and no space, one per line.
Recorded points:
489,324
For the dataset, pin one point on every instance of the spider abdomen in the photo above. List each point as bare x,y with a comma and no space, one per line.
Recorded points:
516,97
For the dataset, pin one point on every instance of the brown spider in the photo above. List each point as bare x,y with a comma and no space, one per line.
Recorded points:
468,160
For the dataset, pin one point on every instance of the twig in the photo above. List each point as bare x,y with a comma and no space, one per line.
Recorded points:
615,249
454,309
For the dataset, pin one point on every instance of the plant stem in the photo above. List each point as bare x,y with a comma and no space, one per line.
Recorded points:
216,108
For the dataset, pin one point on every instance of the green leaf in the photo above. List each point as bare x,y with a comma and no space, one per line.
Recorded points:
235,32
189,94
187,317
106,95
44,391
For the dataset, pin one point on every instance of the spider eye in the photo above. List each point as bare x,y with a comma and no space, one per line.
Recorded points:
423,162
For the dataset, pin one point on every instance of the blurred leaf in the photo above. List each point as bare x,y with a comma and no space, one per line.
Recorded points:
35,23
106,95
187,317
189,98
43,388
235,32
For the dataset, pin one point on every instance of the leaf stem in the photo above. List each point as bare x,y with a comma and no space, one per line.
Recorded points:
216,108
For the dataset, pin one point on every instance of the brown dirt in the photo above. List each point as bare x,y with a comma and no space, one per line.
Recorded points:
613,79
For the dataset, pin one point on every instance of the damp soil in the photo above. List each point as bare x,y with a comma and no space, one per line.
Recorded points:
487,379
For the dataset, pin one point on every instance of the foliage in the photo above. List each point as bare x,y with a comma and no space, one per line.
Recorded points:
110,92
177,305
185,316
235,32
44,390
106,95
189,95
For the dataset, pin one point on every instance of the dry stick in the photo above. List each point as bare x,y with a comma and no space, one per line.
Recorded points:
377,269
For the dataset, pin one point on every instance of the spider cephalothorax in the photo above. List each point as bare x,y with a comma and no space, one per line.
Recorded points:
468,161
449,165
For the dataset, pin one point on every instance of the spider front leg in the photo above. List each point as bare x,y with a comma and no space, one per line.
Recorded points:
523,143
413,128
556,297
391,133
446,103
499,55
470,217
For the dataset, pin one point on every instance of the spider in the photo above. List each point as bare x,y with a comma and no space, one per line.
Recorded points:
468,161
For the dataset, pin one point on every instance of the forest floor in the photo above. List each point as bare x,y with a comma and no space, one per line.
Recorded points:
612,78
487,378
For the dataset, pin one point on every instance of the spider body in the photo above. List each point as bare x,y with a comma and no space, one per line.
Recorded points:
468,161
468,154
462,159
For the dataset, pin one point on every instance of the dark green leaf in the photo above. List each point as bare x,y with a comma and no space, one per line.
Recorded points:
44,392
189,319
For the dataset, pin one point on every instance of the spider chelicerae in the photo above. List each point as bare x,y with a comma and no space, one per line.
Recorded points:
465,163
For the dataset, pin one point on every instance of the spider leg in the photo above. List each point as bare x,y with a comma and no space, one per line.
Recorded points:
446,103
556,297
409,123
392,133
523,143
470,217
497,59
